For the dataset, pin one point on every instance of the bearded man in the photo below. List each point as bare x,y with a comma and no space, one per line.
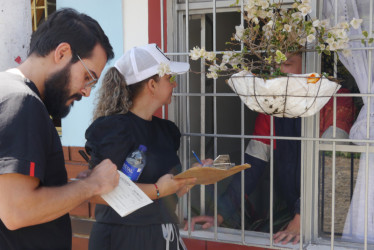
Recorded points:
67,55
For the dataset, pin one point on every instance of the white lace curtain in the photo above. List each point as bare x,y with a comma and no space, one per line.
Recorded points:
358,65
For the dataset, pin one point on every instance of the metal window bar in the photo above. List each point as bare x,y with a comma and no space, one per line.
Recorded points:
162,41
242,146
188,112
215,118
202,112
370,57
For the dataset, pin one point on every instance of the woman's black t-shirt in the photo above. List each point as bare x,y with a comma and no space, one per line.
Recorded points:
115,137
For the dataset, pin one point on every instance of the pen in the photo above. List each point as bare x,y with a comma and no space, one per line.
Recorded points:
84,155
197,158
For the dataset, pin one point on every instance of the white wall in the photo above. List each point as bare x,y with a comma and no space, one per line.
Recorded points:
135,23
15,32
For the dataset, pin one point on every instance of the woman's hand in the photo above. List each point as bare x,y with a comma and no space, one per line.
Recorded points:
167,185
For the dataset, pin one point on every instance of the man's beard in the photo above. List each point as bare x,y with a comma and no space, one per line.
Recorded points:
56,93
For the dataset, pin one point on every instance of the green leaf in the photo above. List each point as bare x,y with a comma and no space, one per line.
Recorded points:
365,33
172,78
371,40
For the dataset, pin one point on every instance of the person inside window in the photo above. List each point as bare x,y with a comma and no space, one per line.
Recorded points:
286,158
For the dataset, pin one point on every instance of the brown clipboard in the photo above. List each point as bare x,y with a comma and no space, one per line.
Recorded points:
210,175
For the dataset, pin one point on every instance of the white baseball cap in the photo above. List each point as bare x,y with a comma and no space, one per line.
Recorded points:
140,63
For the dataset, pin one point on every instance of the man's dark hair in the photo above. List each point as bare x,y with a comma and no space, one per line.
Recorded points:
77,29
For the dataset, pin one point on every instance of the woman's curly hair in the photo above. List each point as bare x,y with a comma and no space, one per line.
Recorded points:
115,96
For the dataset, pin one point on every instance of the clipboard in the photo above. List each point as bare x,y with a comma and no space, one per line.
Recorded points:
211,175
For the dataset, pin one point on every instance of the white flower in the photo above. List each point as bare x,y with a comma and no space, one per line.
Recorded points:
197,53
333,46
316,23
343,25
210,56
270,23
347,52
287,27
226,56
325,23
302,41
213,75
255,20
356,23
239,32
264,4
251,13
341,34
213,68
250,5
297,17
163,69
342,44
262,14
330,40
305,9
312,30
310,38
305,1
322,46
202,52
294,5
223,66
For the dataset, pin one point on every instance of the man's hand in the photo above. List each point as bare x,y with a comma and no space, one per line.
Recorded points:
208,221
105,176
292,231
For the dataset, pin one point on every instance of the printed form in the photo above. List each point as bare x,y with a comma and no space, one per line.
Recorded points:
126,197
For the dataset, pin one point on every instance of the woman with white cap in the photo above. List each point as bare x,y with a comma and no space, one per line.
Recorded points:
139,84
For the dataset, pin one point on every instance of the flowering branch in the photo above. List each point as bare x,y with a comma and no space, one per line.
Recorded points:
271,33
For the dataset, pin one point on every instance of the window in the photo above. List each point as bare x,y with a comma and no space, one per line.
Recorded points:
213,121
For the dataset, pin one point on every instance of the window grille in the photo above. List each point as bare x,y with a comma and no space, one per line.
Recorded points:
213,121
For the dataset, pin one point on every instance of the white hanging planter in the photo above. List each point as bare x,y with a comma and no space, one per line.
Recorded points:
295,95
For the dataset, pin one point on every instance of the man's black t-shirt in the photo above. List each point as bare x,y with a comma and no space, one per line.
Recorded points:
30,145
115,137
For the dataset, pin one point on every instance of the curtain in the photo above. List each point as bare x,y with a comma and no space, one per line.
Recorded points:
358,65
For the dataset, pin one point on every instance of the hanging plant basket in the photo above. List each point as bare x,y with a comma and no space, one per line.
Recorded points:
295,95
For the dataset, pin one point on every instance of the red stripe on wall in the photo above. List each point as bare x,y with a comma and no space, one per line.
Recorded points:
32,169
154,32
